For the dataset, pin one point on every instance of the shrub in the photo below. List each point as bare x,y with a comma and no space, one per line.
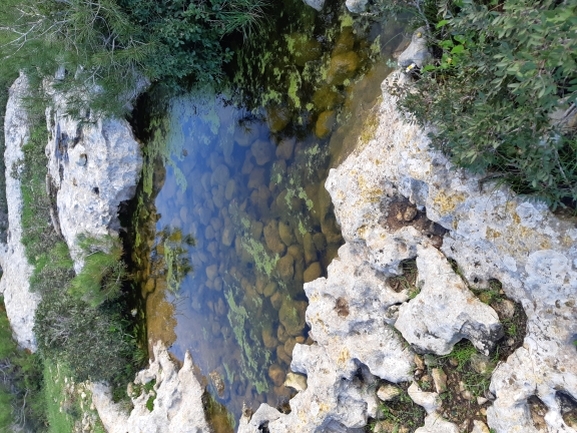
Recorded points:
95,343
502,70
103,272
107,49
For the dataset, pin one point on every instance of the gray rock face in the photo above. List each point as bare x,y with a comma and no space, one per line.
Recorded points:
487,230
445,311
177,405
94,166
14,285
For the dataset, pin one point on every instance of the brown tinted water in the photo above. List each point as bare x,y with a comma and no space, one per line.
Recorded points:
233,217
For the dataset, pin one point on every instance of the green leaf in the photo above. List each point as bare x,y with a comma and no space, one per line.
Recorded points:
442,23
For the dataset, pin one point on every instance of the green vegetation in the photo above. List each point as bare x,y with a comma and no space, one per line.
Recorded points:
503,72
399,414
21,382
107,49
103,272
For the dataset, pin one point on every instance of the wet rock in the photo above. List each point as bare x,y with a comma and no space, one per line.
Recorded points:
285,267
211,272
296,251
272,238
248,164
342,67
304,48
282,335
284,149
217,382
285,233
325,124
326,98
292,316
282,355
230,189
269,289
244,135
320,241
268,338
296,381
256,229
262,151
310,250
228,235
445,311
220,175
345,42
256,178
277,117
276,300
289,345
312,272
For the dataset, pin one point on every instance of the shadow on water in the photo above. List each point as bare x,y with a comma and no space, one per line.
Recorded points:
232,217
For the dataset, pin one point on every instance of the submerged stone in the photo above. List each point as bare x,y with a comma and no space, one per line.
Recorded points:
325,124
342,67
277,117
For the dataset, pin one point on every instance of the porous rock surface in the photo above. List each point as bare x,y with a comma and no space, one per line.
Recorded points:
94,165
176,398
14,285
488,231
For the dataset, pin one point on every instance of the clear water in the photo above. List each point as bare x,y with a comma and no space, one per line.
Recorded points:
236,219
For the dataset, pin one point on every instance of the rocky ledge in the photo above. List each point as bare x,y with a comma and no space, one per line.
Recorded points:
398,200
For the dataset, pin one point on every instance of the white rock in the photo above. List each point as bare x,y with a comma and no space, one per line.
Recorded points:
388,392
356,6
94,166
177,407
315,4
430,401
434,423
479,427
296,381
14,285
445,311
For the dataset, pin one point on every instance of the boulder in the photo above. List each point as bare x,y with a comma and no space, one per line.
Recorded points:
325,124
342,66
178,403
292,316
94,166
445,311
272,238
14,285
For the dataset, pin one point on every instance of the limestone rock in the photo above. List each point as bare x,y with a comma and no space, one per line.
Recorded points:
95,167
388,392
315,4
445,311
434,423
430,401
177,406
356,6
296,381
14,285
